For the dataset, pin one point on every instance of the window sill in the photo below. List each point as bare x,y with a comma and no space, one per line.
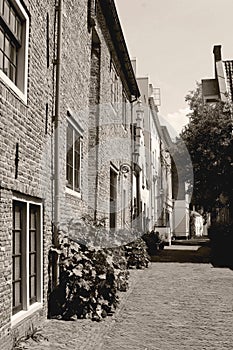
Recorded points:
73,193
21,315
9,84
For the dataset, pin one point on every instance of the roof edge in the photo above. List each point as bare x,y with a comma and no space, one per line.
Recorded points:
113,23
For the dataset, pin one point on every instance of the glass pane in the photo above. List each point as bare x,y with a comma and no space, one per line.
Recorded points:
17,268
1,40
18,29
77,143
69,174
13,54
6,10
1,60
17,294
32,264
69,157
33,220
12,20
6,66
77,160
7,48
69,138
77,164
17,223
32,287
32,241
77,182
17,242
1,7
13,73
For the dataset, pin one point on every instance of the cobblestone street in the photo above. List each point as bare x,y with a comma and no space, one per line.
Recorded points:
169,306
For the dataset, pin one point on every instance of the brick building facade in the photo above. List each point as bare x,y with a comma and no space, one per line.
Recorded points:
97,87
25,128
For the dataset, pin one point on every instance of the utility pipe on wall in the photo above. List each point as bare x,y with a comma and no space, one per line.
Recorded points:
57,138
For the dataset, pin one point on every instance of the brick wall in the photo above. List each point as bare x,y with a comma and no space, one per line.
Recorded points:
27,134
26,127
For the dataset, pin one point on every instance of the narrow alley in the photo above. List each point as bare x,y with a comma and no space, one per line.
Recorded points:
170,305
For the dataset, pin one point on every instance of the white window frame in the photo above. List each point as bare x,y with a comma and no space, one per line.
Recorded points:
27,308
78,129
22,65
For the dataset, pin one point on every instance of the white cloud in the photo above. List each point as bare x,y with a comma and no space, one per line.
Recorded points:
175,121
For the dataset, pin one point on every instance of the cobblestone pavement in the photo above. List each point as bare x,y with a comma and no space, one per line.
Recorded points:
169,306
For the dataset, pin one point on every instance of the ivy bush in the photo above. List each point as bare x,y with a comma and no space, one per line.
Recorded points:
90,275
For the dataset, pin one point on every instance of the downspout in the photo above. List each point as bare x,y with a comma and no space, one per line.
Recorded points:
56,142
132,155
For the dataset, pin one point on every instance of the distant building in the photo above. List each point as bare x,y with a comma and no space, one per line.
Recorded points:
154,177
221,86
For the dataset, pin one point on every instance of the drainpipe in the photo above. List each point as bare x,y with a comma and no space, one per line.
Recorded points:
133,99
56,141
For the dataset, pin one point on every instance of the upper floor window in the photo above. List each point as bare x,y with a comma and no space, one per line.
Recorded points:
114,86
14,46
124,110
73,158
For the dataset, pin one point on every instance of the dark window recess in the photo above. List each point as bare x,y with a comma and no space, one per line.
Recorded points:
133,128
26,260
124,110
34,226
113,199
73,158
17,259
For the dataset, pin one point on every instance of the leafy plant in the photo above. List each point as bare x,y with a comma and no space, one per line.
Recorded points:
33,333
91,276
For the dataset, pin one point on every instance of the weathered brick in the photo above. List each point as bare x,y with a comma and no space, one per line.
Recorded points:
28,126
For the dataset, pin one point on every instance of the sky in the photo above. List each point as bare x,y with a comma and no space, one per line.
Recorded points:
173,41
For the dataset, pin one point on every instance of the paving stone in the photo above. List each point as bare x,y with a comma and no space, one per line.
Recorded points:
169,306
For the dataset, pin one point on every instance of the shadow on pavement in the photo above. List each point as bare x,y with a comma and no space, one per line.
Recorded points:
183,254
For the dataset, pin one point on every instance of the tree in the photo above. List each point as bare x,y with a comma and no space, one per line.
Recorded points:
208,138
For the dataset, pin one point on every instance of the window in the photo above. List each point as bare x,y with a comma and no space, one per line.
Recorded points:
124,110
73,158
26,255
114,86
17,258
14,46
133,129
113,199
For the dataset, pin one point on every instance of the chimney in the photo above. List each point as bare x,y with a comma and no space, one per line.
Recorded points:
217,53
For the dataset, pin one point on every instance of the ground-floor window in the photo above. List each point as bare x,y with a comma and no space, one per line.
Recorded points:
113,199
26,255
